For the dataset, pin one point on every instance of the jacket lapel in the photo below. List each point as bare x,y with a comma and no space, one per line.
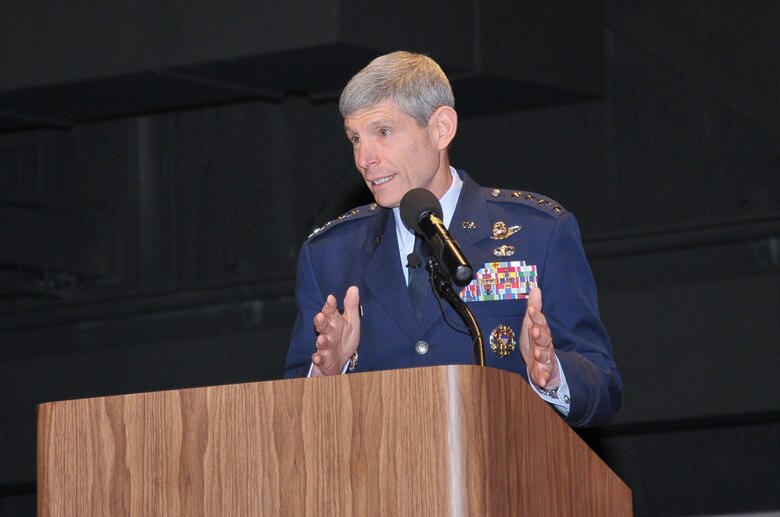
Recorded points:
383,275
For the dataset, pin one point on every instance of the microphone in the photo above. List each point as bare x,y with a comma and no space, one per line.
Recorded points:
421,212
413,261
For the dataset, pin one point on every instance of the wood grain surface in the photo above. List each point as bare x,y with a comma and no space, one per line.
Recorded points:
450,440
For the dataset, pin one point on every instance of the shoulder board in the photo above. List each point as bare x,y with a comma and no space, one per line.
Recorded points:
352,215
531,199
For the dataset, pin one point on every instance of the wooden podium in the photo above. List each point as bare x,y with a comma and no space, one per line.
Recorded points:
441,441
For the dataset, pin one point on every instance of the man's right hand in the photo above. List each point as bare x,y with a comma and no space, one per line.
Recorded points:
338,335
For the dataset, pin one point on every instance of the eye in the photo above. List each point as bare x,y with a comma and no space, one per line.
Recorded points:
354,139
384,132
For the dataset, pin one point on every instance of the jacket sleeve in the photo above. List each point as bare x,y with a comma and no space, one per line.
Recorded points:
583,347
309,301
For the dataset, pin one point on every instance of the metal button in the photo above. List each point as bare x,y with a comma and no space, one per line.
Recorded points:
495,192
421,347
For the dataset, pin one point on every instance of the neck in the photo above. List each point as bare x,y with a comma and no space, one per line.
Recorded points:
443,178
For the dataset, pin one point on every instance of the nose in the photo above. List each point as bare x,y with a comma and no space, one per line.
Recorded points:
366,155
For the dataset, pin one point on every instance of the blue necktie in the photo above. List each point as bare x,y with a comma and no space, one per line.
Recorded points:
418,277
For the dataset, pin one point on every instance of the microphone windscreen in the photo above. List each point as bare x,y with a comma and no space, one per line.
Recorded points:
417,203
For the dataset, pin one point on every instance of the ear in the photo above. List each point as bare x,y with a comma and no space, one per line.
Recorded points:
446,125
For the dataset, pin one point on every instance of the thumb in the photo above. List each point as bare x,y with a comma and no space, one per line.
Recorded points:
352,304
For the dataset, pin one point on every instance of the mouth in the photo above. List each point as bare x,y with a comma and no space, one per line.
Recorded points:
381,181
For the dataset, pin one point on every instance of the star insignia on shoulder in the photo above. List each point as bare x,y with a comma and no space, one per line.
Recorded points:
351,214
528,198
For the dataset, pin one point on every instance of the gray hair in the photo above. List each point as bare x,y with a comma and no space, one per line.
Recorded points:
414,81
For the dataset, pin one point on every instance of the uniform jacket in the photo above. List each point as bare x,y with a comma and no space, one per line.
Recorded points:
360,248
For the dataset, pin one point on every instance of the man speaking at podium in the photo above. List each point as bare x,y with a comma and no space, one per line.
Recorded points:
533,294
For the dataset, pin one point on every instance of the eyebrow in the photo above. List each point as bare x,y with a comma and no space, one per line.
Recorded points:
376,123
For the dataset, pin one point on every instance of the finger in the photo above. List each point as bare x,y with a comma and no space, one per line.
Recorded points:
330,305
324,357
537,317
542,378
321,364
544,358
543,348
325,323
541,337
534,306
320,322
323,343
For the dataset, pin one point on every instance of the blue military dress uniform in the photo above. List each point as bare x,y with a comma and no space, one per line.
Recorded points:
360,248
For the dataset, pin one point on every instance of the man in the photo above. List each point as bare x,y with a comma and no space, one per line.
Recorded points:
399,116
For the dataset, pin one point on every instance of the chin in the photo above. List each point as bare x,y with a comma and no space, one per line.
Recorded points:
386,203
387,200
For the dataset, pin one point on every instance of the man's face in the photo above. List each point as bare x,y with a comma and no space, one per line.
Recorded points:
394,154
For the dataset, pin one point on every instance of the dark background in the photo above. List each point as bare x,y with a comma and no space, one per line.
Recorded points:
162,161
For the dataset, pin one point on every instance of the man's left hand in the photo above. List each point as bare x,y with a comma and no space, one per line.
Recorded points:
536,344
